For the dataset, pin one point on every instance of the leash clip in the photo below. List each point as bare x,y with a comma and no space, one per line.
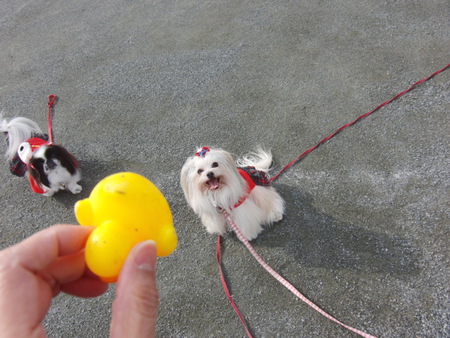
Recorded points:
220,210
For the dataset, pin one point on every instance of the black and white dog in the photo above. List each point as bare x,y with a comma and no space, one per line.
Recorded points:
49,167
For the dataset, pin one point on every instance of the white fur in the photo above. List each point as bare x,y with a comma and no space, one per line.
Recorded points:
263,206
19,130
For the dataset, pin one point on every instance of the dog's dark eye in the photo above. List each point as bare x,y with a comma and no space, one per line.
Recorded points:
215,165
199,171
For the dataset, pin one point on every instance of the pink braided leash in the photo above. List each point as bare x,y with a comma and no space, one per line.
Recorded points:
283,281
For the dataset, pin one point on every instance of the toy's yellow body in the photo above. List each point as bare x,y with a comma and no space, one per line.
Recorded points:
126,209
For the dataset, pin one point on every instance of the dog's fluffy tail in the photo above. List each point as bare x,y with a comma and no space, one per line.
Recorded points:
18,130
260,159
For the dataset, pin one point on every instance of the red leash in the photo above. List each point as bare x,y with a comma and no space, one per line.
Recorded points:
51,102
258,258
227,291
359,118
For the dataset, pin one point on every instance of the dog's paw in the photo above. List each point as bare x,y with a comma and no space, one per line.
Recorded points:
75,189
277,217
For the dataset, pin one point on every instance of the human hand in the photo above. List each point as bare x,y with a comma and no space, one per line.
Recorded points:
52,260
135,308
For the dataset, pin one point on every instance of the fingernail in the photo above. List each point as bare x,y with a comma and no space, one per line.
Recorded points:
145,257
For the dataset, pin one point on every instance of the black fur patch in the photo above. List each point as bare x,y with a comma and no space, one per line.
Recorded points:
36,169
61,154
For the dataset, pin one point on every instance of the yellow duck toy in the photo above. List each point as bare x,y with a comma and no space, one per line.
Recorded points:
126,208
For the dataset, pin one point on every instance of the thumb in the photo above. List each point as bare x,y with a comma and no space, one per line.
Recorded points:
135,308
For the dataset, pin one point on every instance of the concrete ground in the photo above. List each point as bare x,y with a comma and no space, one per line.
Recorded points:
141,84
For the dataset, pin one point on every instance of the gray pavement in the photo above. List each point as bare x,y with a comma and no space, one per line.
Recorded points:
141,84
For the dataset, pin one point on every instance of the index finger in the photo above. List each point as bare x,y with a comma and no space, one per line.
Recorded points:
43,248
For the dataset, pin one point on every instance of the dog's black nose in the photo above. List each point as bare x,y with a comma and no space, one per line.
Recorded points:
210,175
51,164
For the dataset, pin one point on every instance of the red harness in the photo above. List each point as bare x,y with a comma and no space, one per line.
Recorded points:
250,185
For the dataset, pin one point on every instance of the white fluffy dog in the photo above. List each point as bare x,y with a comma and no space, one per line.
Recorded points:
213,180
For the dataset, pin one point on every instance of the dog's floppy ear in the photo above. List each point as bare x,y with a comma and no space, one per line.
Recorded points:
36,170
230,160
186,180
66,159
